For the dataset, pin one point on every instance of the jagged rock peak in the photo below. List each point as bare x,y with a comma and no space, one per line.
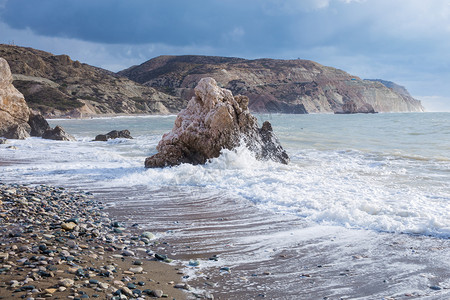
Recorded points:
215,120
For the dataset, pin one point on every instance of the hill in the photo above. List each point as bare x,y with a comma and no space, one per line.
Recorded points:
285,86
58,86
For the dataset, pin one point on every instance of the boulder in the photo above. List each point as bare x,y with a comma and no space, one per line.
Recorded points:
125,134
215,120
14,111
58,134
18,131
38,125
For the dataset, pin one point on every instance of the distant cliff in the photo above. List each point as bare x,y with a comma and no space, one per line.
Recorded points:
285,86
57,86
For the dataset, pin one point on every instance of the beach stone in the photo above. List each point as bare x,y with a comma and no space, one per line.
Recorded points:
136,270
127,291
66,282
103,285
157,293
14,283
4,256
194,263
212,121
131,285
183,286
50,291
148,235
127,253
68,226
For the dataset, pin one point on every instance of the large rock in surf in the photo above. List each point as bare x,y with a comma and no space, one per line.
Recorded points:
115,134
14,111
215,120
38,124
57,134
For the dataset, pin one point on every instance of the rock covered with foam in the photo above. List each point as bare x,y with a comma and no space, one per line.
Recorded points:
213,120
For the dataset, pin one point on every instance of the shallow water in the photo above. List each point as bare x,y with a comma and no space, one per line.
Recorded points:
354,185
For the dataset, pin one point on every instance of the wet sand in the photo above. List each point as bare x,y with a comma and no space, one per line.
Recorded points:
244,252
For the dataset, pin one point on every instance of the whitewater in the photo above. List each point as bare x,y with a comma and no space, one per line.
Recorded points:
362,183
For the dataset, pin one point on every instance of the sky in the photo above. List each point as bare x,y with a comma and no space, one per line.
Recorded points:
405,41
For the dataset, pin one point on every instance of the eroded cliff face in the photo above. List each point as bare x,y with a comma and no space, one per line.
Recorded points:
57,86
287,86
14,112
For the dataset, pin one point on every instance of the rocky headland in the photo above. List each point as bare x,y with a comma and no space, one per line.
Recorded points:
57,86
215,120
273,85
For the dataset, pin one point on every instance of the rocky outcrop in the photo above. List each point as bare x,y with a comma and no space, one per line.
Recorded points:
58,134
115,134
57,86
215,120
38,125
285,86
14,112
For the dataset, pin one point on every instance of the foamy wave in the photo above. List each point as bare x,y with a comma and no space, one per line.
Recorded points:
347,188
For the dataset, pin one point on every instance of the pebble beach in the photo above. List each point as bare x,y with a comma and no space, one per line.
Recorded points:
60,244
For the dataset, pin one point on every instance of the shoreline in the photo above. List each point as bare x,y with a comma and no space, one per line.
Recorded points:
60,243
123,115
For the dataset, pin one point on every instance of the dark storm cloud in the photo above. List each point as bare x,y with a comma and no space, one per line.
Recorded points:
247,25
407,41
173,22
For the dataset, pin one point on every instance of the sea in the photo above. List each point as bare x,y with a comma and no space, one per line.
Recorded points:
362,211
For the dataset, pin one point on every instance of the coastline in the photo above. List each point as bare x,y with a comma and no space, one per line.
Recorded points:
263,252
124,115
59,243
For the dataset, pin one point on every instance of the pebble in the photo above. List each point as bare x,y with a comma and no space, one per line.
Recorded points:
136,269
158,293
128,253
50,291
194,263
68,226
148,235
52,238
